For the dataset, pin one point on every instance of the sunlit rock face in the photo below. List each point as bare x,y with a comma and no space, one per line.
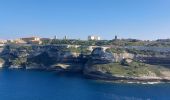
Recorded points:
1,63
99,55
40,57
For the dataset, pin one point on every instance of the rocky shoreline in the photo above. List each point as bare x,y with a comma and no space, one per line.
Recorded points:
120,79
99,65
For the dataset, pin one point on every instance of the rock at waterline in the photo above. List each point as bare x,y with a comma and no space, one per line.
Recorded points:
1,62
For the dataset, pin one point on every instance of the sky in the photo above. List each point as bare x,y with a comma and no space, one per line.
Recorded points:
140,19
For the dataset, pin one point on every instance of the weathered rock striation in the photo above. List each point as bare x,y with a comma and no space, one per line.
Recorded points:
41,57
1,63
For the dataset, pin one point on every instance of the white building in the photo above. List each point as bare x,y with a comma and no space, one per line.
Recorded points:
92,37
32,40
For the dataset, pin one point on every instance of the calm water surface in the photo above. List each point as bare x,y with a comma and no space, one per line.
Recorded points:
40,85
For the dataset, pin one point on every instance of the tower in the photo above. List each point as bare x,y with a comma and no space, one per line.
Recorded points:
55,37
65,37
115,37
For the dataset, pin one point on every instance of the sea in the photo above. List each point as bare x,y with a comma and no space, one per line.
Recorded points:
49,85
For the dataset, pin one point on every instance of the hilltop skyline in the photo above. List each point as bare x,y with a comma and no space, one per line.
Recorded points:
139,19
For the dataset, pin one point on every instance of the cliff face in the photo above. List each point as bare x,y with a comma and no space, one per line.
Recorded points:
126,70
1,63
151,54
100,64
41,57
99,55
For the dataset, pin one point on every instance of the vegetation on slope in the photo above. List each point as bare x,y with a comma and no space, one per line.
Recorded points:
133,69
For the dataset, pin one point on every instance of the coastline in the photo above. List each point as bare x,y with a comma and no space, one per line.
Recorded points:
119,79
101,64
115,79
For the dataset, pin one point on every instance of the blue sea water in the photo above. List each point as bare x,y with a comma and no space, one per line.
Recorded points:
42,85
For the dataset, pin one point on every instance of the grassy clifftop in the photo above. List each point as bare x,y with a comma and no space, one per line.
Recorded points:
133,71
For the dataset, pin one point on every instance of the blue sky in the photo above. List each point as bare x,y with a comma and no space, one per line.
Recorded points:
141,19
